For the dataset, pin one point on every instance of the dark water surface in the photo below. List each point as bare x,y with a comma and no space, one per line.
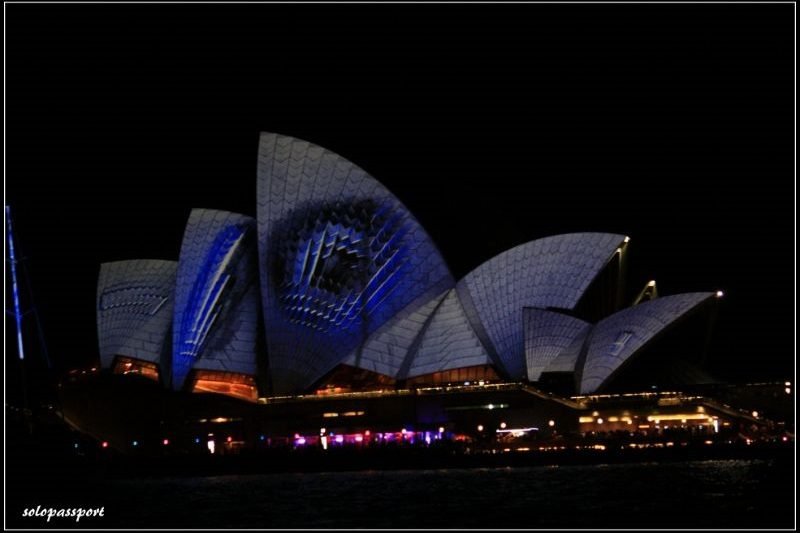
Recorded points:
718,494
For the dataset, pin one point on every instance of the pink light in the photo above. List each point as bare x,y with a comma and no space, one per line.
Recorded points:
104,444
359,438
165,442
366,433
339,438
230,439
301,441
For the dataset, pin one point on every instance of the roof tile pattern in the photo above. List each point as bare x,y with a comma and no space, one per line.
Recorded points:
570,357
449,341
339,254
547,334
618,338
552,272
389,346
134,309
216,296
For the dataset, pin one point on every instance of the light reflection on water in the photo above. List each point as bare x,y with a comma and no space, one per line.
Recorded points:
743,493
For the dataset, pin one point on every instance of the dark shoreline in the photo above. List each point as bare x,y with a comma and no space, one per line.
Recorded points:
381,460
111,466
410,486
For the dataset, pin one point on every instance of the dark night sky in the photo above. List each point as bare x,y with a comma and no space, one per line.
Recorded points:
495,125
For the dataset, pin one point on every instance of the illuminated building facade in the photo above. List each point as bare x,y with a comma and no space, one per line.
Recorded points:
340,258
215,324
335,287
134,315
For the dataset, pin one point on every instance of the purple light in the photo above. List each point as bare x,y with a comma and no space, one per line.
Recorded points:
300,441
339,438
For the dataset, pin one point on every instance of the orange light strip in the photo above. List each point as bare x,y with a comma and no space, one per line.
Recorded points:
687,416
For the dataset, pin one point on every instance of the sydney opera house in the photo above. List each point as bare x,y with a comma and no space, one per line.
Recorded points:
335,290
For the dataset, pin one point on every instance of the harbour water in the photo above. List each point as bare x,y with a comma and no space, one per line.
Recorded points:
752,493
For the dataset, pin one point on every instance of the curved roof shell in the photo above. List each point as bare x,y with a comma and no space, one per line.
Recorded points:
340,256
216,296
548,334
549,273
448,342
620,337
134,309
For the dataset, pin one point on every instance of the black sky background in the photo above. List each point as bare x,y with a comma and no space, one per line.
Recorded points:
494,124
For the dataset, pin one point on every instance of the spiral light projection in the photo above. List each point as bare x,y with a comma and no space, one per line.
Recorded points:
341,263
340,258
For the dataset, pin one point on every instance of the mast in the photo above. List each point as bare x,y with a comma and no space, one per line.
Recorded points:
14,286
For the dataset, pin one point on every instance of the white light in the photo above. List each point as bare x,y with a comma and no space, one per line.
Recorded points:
788,390
755,414
441,430
517,432
404,431
490,406
651,283
627,239
211,446
551,423
788,384
502,425
480,427
599,420
322,431
720,294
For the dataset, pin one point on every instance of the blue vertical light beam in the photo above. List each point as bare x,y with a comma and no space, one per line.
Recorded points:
14,290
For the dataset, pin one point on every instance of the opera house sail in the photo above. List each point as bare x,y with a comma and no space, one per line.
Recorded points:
335,285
